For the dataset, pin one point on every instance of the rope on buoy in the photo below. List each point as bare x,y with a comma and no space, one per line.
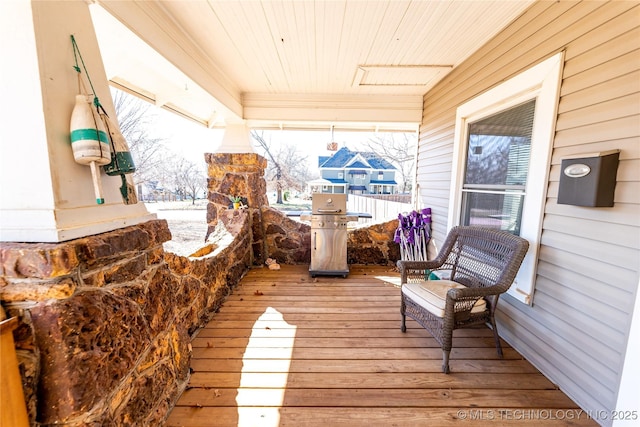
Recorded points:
87,132
76,54
96,101
121,160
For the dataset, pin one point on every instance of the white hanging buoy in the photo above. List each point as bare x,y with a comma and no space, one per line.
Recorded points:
89,141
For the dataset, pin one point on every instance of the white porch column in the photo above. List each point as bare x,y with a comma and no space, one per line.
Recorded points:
628,406
236,139
45,196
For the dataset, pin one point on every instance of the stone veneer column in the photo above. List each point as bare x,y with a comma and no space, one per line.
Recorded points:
238,174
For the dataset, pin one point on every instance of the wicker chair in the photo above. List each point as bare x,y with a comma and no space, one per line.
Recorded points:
474,266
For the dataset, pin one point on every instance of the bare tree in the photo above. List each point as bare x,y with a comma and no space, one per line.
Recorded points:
167,173
287,168
399,150
135,120
187,178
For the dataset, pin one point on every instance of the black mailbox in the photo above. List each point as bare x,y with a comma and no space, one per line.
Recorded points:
589,179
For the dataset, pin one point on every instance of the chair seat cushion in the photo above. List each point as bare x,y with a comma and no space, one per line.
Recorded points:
432,295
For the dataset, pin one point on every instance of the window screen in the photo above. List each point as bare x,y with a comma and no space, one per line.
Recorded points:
498,152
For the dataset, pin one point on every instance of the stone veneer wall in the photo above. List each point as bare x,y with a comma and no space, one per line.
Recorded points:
289,242
238,174
274,235
373,244
105,320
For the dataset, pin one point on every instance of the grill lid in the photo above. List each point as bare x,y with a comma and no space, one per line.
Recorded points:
326,203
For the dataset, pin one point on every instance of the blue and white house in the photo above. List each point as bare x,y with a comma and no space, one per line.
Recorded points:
355,172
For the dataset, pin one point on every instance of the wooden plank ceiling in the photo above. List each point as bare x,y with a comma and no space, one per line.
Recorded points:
269,60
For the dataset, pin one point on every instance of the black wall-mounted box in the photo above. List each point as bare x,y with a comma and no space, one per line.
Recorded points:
589,179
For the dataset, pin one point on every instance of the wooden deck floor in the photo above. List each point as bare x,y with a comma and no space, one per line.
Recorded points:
289,350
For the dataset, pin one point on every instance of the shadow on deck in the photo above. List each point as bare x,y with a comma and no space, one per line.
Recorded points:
289,350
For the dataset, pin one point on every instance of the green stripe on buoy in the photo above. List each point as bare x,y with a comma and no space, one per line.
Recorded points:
89,134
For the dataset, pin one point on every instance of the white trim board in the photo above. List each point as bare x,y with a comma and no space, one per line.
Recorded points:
542,82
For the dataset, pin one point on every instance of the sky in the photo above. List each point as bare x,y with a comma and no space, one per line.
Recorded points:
192,140
183,136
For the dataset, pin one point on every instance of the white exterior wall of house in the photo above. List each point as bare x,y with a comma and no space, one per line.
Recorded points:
577,330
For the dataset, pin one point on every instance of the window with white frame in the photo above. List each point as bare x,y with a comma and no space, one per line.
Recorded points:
501,160
497,164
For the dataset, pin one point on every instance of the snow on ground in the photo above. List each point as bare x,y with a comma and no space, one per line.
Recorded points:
187,223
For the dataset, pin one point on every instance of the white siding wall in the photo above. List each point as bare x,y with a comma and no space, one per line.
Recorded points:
576,332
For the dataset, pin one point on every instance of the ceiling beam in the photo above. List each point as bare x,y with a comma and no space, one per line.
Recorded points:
401,109
149,21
